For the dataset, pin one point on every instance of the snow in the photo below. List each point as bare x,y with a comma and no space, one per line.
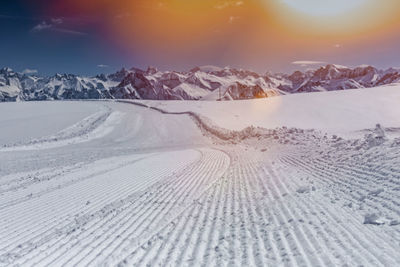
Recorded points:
340,66
194,91
105,183
210,68
339,112
10,89
92,127
31,120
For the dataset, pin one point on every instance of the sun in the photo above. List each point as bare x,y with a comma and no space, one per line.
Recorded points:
323,8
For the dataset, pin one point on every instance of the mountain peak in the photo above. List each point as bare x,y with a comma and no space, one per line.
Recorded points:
6,70
336,66
209,68
151,70
137,70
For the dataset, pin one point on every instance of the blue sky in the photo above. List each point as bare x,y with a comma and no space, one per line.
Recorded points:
69,49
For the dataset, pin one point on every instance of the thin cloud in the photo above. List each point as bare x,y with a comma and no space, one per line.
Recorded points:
41,26
29,71
307,63
227,4
67,31
57,21
51,20
102,66
54,25
232,19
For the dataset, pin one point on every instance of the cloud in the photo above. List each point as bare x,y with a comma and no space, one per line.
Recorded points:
42,26
54,25
227,4
29,71
57,21
69,31
232,19
307,63
239,3
337,46
102,66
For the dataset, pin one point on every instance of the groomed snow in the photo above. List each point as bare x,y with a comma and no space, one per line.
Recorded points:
158,189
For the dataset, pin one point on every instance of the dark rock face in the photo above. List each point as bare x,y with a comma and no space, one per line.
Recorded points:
239,91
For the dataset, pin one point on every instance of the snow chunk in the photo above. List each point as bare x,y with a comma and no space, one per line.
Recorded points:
376,192
303,189
376,138
373,218
394,222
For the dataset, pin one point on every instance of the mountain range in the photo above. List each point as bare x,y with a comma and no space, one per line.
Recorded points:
200,83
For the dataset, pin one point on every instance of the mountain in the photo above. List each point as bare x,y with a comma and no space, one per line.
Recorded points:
16,86
334,77
200,83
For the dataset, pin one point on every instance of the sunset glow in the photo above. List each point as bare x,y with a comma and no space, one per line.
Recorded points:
252,24
256,34
320,8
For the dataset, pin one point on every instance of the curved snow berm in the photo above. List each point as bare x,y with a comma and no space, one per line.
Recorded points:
210,129
200,83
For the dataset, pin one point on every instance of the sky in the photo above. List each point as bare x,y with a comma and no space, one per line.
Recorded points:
101,36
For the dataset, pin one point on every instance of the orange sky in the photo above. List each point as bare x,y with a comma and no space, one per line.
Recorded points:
240,32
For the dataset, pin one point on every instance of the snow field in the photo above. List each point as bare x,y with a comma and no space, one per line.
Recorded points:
158,189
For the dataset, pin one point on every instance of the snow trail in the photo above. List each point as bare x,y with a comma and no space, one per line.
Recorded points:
160,189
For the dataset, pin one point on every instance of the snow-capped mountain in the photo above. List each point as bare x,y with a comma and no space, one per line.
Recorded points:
16,86
335,77
200,83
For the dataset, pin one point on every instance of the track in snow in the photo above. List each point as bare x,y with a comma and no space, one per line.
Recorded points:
255,216
149,193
